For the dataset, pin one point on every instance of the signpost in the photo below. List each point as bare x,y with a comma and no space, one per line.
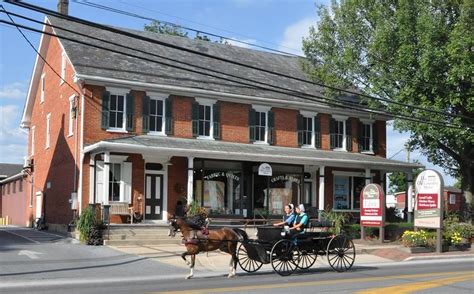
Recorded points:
429,203
372,209
265,169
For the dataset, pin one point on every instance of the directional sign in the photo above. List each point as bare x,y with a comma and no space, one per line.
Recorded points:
428,202
372,206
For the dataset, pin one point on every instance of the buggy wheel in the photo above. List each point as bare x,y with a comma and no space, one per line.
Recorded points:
283,257
306,259
340,253
245,262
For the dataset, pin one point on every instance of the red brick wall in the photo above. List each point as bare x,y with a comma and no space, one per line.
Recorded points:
234,122
15,205
285,127
382,138
325,141
177,182
354,130
182,126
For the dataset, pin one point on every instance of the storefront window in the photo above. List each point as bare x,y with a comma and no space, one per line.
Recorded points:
347,192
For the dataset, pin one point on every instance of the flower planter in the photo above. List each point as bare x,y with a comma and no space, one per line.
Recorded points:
420,249
460,247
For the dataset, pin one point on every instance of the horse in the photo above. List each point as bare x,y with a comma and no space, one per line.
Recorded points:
224,239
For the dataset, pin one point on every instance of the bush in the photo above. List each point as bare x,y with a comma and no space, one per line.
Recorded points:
413,239
338,218
454,231
90,227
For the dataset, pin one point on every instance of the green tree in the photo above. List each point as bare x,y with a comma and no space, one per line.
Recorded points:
398,180
414,52
164,28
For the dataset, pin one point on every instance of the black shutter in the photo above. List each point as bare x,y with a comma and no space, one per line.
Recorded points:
299,127
271,127
349,134
130,113
145,114
216,120
168,117
252,125
332,137
195,119
375,141
105,109
317,132
360,136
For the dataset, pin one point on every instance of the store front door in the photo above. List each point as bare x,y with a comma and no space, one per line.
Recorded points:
154,197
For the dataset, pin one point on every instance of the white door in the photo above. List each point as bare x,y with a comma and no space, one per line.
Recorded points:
39,202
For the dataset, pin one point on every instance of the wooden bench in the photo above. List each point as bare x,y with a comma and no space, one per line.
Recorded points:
121,208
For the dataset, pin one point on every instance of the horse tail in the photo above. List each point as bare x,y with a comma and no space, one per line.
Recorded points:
241,234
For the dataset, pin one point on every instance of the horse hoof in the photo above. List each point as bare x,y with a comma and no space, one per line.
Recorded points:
189,277
230,276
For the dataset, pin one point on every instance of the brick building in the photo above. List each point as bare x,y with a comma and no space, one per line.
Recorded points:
116,128
15,204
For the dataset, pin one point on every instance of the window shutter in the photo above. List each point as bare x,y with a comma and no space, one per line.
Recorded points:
145,114
99,182
195,119
375,142
216,120
349,134
105,109
168,116
360,126
127,181
271,127
317,132
252,125
332,123
299,127
130,113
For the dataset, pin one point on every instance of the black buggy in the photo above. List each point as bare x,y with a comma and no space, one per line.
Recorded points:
286,254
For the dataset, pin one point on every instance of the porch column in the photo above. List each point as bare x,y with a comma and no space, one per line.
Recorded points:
409,201
190,179
321,191
368,178
106,177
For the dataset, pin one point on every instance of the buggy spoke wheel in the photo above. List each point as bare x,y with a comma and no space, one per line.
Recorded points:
305,259
340,253
245,262
283,257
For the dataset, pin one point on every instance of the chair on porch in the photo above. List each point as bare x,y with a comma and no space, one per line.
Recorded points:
122,208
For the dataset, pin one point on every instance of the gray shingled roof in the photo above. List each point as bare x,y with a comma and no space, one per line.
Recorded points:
101,63
9,169
247,152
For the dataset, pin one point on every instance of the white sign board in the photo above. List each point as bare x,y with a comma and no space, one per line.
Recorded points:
428,199
265,170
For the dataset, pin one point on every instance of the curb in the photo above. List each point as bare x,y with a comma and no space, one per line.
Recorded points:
430,257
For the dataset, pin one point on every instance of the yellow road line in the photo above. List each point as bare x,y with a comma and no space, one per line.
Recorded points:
417,286
315,283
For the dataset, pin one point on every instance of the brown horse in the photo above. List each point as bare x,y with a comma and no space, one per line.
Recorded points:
224,239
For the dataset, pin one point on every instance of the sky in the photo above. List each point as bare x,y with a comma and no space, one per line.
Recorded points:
278,24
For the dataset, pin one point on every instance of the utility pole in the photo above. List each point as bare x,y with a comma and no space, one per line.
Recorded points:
409,189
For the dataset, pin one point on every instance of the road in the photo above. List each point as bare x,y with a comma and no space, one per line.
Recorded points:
37,262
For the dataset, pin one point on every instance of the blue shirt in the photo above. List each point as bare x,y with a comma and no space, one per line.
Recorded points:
290,219
302,219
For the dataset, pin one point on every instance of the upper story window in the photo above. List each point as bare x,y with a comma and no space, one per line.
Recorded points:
340,130
366,136
156,114
117,110
42,88
261,122
72,115
48,130
205,119
63,68
308,129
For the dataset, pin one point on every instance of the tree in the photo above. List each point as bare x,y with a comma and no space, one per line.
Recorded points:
164,28
398,180
413,52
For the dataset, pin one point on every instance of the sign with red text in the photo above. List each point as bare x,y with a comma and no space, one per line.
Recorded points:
372,206
428,202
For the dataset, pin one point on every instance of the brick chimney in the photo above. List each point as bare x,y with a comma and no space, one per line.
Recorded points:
63,6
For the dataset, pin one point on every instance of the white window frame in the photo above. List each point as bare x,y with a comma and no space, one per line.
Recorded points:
63,68
33,128
343,119
452,198
265,109
159,97
48,131
120,159
310,115
42,87
71,118
210,103
119,92
351,176
371,140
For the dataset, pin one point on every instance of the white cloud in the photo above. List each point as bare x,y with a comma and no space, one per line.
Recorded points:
292,41
235,42
13,140
13,91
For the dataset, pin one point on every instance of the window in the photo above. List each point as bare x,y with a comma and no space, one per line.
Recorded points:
157,118
33,140
72,114
42,88
366,138
114,181
63,68
14,186
347,192
338,133
117,111
260,126
307,131
20,185
8,188
48,130
452,198
204,125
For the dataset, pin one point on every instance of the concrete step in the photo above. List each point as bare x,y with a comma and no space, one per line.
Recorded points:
138,231
116,236
155,241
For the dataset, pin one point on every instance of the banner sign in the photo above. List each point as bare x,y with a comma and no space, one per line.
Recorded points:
372,206
265,170
428,199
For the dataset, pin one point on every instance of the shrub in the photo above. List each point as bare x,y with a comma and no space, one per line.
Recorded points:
90,227
413,239
338,218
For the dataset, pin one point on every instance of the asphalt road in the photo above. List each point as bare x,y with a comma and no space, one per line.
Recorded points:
35,262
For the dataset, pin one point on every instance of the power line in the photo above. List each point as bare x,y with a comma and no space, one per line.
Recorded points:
89,23
305,96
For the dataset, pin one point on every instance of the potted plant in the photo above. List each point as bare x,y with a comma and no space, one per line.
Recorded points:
416,241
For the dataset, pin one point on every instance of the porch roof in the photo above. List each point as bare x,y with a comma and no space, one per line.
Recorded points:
166,146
